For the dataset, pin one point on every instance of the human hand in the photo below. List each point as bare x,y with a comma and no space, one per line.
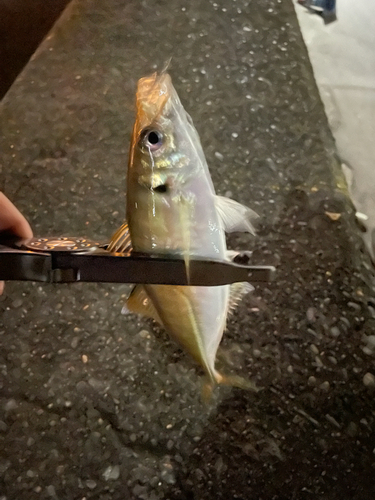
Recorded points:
12,221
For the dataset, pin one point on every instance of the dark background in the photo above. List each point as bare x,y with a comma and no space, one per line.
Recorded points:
23,25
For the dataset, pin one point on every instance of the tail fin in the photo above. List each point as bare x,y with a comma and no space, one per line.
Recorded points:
228,380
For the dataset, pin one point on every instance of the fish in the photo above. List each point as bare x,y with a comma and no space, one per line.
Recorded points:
172,209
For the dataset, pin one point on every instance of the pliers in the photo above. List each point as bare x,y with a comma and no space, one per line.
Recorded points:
70,259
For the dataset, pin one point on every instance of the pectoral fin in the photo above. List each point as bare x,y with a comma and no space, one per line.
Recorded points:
140,303
234,216
120,241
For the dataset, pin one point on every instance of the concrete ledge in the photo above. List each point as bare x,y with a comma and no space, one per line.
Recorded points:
343,60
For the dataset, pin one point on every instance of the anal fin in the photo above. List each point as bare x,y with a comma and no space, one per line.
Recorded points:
237,291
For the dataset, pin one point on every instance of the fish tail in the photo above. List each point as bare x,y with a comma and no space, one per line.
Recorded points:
207,390
240,382
210,381
229,380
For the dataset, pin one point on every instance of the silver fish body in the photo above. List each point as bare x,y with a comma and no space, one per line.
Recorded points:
172,209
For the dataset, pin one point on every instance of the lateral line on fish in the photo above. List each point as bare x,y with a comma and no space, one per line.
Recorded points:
186,235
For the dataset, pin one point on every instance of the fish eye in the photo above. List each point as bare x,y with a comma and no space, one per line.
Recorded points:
151,139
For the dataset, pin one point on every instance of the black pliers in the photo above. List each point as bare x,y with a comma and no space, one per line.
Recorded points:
69,260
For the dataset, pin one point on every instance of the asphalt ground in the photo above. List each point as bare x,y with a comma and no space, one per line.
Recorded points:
96,405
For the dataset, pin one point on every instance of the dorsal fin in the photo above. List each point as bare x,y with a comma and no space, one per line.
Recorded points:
166,66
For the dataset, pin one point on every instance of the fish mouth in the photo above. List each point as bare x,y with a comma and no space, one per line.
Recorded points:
153,94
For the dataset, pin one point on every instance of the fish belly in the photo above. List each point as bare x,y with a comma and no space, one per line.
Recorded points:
193,316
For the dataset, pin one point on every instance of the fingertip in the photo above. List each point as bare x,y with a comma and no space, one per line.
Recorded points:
24,229
12,220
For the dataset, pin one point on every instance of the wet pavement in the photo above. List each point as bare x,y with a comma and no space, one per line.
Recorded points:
97,405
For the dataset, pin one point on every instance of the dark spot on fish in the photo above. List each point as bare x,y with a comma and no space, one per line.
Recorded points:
162,188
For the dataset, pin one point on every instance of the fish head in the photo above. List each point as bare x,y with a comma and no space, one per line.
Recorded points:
165,145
